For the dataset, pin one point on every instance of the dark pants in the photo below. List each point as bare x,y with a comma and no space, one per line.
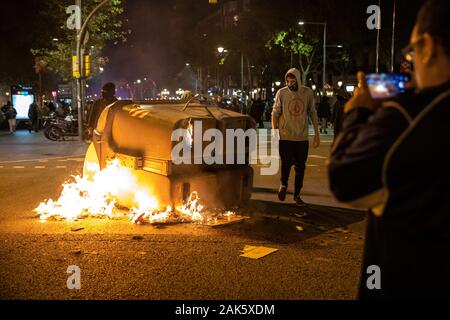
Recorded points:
35,125
293,153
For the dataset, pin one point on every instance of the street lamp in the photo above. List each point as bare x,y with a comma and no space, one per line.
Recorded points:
220,49
324,24
340,84
314,87
138,81
165,93
278,83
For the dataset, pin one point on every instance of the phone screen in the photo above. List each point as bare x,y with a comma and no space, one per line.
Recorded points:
386,85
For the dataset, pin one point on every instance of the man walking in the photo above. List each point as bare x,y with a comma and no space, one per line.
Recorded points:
294,104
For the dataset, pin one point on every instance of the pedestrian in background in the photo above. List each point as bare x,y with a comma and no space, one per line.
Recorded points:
235,105
338,112
33,115
107,98
257,112
220,103
324,113
10,115
2,117
294,104
51,107
393,159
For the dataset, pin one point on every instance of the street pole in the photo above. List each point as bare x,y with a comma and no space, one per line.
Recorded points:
78,81
80,40
242,73
324,57
377,64
393,38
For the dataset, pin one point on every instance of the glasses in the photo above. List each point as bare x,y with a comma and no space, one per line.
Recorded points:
408,52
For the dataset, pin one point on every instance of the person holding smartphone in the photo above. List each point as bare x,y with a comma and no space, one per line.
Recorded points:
392,157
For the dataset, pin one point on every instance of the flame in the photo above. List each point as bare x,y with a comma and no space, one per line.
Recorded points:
98,197
190,134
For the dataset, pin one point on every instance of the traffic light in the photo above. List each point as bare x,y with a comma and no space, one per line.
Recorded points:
86,69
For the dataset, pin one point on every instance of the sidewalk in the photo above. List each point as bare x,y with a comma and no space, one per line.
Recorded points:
23,145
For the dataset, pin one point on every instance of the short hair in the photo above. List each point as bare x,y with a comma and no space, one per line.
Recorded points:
433,19
109,87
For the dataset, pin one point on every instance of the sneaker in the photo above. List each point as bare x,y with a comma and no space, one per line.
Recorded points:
282,193
299,202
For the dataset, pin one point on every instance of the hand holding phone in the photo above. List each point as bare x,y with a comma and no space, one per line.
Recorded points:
386,85
361,96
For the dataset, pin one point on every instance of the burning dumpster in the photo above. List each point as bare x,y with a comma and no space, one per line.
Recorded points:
139,135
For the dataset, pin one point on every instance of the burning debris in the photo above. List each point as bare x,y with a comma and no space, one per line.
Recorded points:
98,196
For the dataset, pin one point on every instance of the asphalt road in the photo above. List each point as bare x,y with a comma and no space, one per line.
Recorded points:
119,260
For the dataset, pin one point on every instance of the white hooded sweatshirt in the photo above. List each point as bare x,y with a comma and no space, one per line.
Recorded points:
293,110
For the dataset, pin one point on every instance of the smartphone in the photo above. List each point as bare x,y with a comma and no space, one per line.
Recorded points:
386,85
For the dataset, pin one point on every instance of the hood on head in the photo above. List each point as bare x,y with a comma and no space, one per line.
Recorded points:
296,73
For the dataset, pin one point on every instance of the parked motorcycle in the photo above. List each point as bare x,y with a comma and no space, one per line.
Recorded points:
58,128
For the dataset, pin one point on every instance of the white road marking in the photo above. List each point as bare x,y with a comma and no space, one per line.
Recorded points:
1,167
18,167
312,165
317,157
61,167
62,160
41,159
39,167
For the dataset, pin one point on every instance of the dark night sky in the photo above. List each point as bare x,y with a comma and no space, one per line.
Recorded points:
152,49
